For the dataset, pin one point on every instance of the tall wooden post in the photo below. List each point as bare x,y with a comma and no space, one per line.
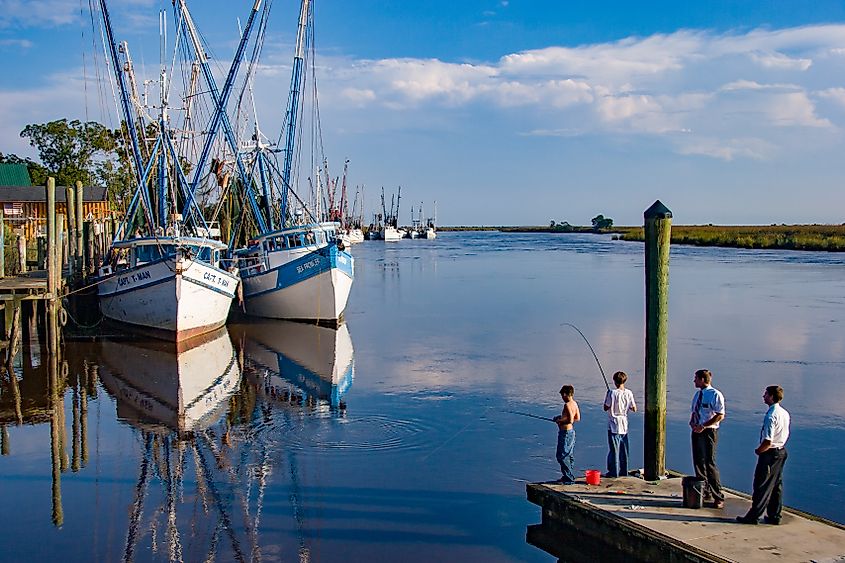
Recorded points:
22,253
70,212
52,262
78,230
658,229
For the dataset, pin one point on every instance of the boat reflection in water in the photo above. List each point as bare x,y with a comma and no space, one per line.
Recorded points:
164,386
297,362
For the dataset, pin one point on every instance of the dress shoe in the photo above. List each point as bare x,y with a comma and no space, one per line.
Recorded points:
717,504
746,520
772,521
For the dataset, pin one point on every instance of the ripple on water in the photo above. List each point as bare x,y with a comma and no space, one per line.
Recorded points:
313,434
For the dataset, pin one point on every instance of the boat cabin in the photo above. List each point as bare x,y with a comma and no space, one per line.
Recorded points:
137,252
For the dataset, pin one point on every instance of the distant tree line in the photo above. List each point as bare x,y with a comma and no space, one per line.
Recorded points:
599,222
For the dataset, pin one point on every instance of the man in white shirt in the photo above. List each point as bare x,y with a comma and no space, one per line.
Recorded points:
708,409
771,456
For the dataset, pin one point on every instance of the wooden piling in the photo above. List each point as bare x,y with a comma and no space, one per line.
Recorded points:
61,250
658,228
52,266
78,230
70,212
22,253
13,332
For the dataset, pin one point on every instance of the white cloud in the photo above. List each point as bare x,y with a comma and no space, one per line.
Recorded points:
38,14
780,61
836,95
717,86
20,43
728,149
793,109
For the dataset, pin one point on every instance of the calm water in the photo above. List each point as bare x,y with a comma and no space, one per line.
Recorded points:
391,439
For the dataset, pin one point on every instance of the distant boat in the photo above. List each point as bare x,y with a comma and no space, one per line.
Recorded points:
389,233
430,227
311,361
167,387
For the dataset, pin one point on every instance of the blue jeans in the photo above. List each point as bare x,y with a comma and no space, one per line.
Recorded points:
617,457
565,454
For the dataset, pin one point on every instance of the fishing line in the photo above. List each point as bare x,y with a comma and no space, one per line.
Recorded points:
531,415
453,436
598,363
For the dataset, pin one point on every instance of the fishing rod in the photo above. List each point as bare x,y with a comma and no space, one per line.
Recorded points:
532,415
598,363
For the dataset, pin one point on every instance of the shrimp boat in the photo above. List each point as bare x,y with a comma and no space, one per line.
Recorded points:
296,267
173,287
163,273
299,273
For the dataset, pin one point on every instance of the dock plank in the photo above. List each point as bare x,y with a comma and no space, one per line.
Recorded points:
629,511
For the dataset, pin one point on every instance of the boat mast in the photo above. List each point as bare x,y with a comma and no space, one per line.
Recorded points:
220,101
137,159
293,103
344,204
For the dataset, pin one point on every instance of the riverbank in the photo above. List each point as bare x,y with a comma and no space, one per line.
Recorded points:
830,238
788,237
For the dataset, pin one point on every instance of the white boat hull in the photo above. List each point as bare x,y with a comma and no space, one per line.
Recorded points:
391,234
175,299
307,285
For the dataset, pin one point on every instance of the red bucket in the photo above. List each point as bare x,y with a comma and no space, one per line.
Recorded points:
593,476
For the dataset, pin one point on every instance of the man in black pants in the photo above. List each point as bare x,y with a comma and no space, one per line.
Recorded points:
771,455
708,409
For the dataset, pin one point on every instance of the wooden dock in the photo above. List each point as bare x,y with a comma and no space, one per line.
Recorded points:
629,519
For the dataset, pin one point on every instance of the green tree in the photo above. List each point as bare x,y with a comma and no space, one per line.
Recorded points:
601,222
70,150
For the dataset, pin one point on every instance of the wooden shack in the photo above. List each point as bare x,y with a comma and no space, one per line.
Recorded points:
25,207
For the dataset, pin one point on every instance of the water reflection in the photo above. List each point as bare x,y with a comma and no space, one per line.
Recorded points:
300,363
163,386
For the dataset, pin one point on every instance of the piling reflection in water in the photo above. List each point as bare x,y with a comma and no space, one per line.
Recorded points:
300,363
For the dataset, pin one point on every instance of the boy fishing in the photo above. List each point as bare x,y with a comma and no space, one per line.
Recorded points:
566,434
617,403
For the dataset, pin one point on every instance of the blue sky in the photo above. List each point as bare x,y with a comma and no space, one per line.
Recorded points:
517,112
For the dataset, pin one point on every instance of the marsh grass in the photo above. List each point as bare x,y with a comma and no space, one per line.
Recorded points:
790,237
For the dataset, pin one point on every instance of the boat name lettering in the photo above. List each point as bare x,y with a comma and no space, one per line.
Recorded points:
126,280
208,276
307,265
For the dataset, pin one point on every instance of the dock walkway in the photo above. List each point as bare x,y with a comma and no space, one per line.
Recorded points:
634,520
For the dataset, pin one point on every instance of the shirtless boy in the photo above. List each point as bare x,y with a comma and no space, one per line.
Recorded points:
566,434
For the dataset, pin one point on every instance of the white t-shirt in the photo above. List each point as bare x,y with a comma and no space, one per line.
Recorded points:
620,402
